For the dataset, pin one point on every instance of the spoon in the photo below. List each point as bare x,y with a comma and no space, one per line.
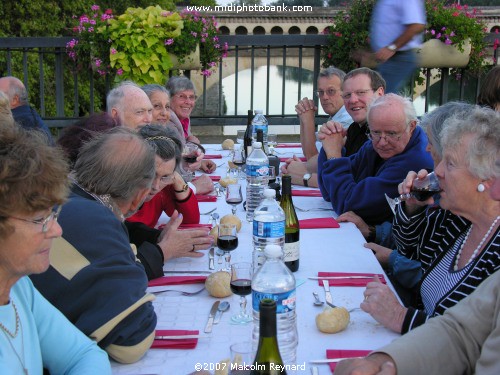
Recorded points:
317,301
223,307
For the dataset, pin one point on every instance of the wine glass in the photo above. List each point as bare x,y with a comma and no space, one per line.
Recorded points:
241,284
272,140
239,160
189,156
240,135
227,241
422,189
234,196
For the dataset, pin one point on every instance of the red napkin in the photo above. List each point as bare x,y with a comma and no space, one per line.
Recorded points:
323,222
206,198
175,344
302,158
349,282
338,353
288,145
177,280
218,156
306,193
213,178
193,226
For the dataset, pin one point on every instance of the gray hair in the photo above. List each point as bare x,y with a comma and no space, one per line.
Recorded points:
119,163
376,80
483,124
177,84
408,108
164,141
115,96
16,87
332,71
152,88
434,122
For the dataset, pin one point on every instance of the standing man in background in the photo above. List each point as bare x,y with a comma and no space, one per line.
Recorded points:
395,34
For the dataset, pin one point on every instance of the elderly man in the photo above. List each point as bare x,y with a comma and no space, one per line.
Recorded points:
358,183
23,113
94,278
129,105
359,88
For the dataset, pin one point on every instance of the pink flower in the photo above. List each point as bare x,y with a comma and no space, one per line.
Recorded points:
119,71
113,51
95,7
169,42
98,62
447,41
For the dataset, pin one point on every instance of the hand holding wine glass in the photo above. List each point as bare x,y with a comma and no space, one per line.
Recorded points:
234,196
227,241
189,156
241,284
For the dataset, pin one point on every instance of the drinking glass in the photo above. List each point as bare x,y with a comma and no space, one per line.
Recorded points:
240,135
227,241
422,189
242,355
241,284
234,196
239,161
189,155
272,140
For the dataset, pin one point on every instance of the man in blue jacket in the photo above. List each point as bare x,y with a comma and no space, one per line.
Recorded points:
358,183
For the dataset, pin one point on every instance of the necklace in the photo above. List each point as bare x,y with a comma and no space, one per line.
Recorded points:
455,267
19,328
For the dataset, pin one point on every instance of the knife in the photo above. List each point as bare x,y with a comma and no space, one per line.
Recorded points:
328,295
190,272
211,256
332,360
211,316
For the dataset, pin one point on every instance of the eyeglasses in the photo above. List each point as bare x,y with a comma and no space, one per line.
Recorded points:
329,92
185,97
46,222
376,136
359,94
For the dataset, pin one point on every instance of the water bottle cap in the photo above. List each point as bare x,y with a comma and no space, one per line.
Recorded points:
257,145
258,111
269,193
273,251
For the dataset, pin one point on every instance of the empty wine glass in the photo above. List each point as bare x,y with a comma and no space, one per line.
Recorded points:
241,284
272,140
422,189
240,135
189,156
239,160
234,196
227,241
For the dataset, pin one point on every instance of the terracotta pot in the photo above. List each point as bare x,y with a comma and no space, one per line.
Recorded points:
435,54
191,61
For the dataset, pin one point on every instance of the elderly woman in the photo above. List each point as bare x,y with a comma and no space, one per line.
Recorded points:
458,244
160,99
33,182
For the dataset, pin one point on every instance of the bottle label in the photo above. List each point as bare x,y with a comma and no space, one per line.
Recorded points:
257,170
292,251
262,127
285,302
274,229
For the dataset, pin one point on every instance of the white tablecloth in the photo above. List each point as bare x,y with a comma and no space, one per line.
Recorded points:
321,250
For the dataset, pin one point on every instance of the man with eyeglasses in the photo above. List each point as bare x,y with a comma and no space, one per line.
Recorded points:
358,183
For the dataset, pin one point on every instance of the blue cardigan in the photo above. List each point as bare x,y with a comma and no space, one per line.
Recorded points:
357,183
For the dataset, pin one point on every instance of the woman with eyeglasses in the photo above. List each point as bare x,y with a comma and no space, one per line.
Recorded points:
33,333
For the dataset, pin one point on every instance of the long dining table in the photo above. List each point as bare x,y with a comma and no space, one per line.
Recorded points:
321,250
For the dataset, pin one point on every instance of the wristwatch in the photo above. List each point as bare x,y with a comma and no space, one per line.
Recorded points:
306,179
185,188
392,47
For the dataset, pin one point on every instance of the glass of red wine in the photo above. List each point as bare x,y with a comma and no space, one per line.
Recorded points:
422,189
241,284
234,196
227,241
189,156
239,161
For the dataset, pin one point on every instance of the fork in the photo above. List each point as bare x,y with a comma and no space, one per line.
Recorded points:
313,209
182,292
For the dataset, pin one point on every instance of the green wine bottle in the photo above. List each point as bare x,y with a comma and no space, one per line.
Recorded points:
292,229
268,358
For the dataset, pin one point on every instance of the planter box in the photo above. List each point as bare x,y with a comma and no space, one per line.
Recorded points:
191,61
435,54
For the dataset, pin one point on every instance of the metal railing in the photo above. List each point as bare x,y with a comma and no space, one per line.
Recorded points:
56,76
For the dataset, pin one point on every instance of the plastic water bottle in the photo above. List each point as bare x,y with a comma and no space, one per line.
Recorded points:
275,281
257,169
259,122
268,227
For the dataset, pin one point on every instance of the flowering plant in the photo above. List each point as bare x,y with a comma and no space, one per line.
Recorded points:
139,44
348,37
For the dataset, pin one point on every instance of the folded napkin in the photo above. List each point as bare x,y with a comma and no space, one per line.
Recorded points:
318,223
177,280
288,145
217,156
347,281
338,353
302,158
194,226
213,178
306,193
206,198
175,344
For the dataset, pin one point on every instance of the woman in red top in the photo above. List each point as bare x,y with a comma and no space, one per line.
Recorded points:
169,192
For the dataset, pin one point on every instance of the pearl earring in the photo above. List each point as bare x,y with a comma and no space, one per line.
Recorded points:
480,188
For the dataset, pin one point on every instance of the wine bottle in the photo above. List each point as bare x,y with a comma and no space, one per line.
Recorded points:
292,229
267,352
247,138
260,138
